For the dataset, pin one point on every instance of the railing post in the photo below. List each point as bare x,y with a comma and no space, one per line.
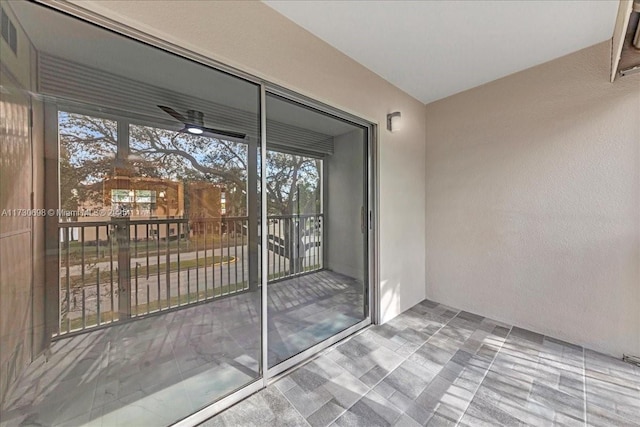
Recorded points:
121,229
320,237
299,232
253,213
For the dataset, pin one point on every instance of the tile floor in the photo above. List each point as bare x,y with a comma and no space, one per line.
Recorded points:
437,366
157,370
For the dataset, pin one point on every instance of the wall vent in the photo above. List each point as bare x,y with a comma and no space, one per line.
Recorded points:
9,32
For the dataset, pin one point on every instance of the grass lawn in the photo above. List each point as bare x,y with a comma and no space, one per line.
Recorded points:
141,248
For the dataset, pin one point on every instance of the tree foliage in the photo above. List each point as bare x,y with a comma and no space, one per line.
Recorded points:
89,152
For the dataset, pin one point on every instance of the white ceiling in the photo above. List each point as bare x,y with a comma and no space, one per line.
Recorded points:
433,49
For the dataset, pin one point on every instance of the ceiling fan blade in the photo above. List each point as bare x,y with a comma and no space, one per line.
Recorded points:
188,123
173,113
228,133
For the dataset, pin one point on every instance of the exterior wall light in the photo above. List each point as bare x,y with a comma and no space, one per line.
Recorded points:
393,121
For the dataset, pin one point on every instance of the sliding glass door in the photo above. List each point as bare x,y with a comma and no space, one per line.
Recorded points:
317,233
191,233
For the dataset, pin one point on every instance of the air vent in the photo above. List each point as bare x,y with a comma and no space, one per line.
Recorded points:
9,33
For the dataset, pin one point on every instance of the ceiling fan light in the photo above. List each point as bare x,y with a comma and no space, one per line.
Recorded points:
194,130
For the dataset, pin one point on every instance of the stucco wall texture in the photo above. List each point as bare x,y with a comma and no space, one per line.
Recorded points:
533,201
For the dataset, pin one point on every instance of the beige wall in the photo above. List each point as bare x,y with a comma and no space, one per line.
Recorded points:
533,201
253,37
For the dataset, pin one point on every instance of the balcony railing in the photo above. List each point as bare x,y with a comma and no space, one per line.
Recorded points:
122,269
295,245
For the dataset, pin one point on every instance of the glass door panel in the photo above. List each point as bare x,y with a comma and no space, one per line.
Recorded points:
153,305
316,169
155,231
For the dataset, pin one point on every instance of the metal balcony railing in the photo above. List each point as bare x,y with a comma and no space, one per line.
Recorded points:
295,245
125,268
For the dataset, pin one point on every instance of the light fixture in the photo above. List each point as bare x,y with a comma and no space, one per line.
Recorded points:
194,130
393,121
161,195
195,122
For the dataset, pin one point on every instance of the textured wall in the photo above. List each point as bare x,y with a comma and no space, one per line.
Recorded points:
253,37
533,201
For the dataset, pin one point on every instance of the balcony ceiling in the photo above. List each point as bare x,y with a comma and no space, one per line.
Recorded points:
433,49
76,41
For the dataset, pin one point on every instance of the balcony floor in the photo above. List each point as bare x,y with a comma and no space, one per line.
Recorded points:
156,370
434,365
